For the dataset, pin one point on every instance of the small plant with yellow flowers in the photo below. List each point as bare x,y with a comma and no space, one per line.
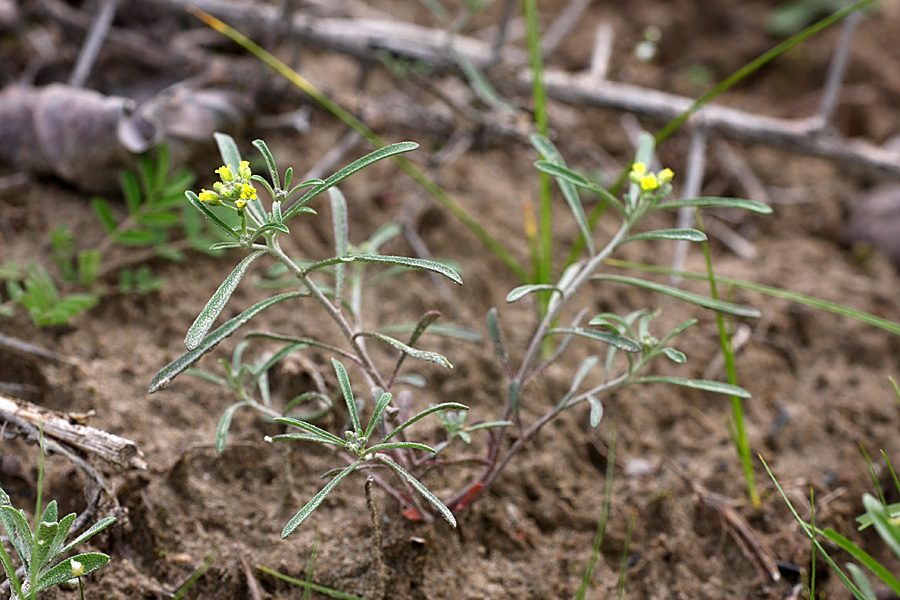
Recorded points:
337,285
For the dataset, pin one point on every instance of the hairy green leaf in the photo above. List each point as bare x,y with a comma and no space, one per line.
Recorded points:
174,368
217,302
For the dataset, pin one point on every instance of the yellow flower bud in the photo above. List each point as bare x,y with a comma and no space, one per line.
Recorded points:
77,568
224,173
248,192
665,176
208,196
240,203
638,170
244,170
649,182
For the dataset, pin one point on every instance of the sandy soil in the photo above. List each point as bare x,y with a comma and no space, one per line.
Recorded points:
819,381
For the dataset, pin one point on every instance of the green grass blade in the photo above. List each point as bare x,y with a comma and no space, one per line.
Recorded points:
310,586
704,301
864,558
881,518
604,517
494,245
754,65
775,292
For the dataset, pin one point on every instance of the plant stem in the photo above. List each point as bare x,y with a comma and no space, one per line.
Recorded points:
583,275
368,367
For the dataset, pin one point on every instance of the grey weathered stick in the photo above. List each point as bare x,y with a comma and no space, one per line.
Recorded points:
60,426
837,68
361,37
568,18
92,44
800,135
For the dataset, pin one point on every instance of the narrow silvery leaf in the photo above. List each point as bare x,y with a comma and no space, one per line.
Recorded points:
224,425
596,410
568,275
587,364
424,413
313,504
400,445
412,263
619,341
512,396
704,301
209,214
344,381
349,170
757,207
521,291
674,355
563,172
862,582
687,235
549,152
426,493
576,179
177,366
270,161
414,352
382,404
706,385
339,222
494,331
226,245
383,234
228,150
318,431
217,302
270,227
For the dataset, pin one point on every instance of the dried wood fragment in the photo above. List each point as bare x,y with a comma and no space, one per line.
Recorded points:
65,428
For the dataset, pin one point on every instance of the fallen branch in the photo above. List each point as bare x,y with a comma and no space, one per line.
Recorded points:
363,37
65,428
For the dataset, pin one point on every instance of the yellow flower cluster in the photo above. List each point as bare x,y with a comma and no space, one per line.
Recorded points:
649,182
231,187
